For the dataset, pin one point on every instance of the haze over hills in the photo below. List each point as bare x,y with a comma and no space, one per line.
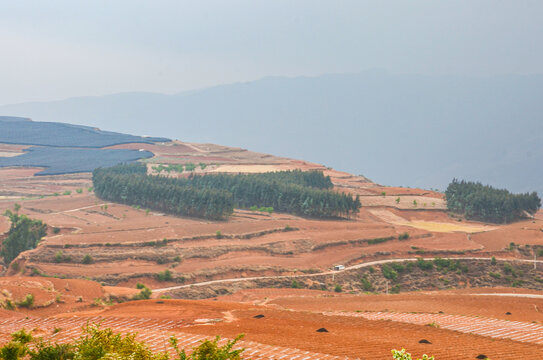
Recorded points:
405,130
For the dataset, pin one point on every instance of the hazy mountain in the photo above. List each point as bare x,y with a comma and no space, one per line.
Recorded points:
396,129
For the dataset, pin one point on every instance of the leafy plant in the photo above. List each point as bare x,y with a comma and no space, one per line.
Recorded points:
28,301
295,284
165,275
87,259
144,294
495,275
388,272
210,350
404,355
424,265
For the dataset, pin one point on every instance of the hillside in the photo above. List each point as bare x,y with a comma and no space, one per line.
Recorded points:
444,285
404,130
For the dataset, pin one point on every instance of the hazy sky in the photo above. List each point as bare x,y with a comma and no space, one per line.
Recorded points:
57,49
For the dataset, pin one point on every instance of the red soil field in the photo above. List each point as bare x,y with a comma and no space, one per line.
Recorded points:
256,244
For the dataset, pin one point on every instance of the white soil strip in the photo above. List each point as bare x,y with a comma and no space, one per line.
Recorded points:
494,328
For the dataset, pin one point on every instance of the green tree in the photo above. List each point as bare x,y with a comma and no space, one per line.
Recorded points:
24,234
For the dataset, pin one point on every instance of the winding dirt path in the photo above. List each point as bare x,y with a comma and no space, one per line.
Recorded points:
331,272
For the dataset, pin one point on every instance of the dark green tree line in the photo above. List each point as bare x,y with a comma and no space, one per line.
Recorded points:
215,196
483,202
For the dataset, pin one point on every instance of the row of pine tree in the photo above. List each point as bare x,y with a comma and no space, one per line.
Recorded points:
483,202
215,196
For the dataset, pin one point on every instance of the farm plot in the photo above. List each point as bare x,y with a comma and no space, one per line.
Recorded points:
154,333
494,328
392,218
23,131
68,161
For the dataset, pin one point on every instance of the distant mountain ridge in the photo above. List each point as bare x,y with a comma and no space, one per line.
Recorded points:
406,130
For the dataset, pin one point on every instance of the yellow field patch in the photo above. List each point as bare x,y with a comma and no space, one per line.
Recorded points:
448,227
434,226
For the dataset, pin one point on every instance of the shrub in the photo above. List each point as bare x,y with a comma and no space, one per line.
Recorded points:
161,260
9,305
56,230
139,286
495,275
295,284
218,234
424,265
87,259
508,268
403,355
165,275
144,294
16,348
190,167
388,272
403,236
79,191
366,284
105,344
379,240
28,301
177,258
59,257
210,350
493,261
15,266
443,263
395,289
398,267
47,351
67,192
338,288
96,343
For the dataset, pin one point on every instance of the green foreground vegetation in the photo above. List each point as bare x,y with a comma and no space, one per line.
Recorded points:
215,196
485,203
96,343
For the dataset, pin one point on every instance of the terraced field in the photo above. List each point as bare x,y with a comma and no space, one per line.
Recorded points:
494,328
155,333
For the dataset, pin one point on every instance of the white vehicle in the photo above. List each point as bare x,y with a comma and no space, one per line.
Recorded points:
339,267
